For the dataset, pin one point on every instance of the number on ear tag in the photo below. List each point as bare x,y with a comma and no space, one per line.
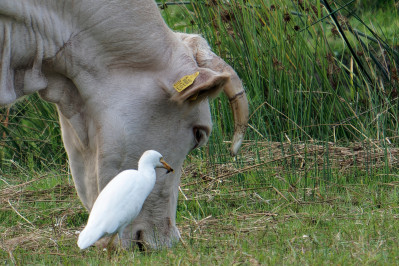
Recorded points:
185,82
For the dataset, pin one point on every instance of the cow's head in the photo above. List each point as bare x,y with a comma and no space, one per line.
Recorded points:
130,111
111,72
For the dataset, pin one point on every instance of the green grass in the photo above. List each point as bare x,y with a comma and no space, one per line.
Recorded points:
316,181
261,216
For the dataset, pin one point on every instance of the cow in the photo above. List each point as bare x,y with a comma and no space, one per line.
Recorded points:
123,82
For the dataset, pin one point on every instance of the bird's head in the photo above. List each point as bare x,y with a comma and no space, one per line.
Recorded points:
157,160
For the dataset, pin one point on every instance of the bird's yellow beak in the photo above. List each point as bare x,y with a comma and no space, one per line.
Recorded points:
166,166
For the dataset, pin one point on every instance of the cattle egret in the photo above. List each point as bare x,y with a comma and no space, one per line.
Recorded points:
121,200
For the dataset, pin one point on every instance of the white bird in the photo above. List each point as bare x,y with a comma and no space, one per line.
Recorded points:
121,200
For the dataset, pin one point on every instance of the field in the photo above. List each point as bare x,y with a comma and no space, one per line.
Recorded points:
270,213
316,181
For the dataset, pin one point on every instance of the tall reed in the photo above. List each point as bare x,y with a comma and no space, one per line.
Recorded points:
302,81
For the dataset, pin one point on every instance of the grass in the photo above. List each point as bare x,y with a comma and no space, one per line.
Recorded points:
347,217
302,81
316,181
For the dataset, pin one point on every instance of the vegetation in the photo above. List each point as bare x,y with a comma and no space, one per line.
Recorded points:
258,217
316,180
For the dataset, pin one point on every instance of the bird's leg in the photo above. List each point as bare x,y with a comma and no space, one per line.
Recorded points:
110,245
111,240
120,241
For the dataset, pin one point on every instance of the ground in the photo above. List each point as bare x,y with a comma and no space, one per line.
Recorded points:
280,204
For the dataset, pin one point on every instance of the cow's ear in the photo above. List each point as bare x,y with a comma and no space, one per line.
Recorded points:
204,83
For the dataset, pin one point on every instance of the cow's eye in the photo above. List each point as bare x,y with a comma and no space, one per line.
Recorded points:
200,136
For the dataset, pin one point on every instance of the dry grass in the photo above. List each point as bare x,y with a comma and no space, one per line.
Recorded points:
216,209
37,226
275,154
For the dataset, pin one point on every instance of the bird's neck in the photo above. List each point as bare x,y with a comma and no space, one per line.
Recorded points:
147,170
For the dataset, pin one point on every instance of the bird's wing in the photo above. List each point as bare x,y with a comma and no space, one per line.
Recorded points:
117,203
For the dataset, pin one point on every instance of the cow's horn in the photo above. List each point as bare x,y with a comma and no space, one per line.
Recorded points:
237,97
233,89
239,105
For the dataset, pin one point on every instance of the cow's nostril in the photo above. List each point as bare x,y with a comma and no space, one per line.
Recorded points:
139,235
140,240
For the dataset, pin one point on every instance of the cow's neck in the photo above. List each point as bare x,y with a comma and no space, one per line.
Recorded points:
74,37
29,33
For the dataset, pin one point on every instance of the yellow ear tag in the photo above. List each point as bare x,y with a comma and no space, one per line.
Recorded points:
185,82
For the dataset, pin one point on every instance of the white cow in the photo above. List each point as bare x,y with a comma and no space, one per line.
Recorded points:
110,67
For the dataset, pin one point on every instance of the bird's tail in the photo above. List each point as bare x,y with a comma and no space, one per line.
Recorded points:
88,237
